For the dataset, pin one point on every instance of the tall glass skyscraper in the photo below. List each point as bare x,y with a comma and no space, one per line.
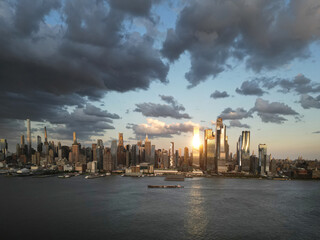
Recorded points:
221,145
263,159
245,151
209,151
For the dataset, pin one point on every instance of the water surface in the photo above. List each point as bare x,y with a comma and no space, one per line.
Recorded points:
124,208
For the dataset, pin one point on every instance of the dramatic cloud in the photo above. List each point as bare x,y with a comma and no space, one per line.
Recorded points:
250,88
163,110
308,101
218,94
238,113
59,54
299,84
158,129
316,132
265,34
238,124
271,112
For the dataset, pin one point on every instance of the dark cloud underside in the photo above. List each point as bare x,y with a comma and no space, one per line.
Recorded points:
265,34
45,68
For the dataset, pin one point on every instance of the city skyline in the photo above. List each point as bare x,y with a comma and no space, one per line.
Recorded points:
154,70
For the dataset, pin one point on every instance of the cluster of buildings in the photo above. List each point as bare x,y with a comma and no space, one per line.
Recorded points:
212,157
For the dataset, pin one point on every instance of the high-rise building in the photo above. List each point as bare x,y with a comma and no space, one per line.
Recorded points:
94,152
45,135
153,152
99,152
195,148
74,138
221,145
171,154
120,139
22,141
107,160
264,160
75,150
176,158
29,136
45,149
186,156
18,150
3,148
245,151
209,149
114,153
39,144
147,148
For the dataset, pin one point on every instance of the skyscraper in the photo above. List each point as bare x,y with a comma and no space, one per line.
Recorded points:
171,154
3,147
186,157
239,147
107,160
114,153
29,136
39,144
74,138
245,151
120,139
100,150
22,141
153,152
220,145
263,159
195,149
45,135
210,163
147,147
75,149
46,144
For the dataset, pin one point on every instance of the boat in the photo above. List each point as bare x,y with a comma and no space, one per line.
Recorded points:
165,186
92,176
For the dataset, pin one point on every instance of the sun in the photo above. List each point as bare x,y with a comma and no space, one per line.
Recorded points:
196,141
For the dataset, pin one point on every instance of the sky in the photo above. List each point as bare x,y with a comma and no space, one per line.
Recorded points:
160,68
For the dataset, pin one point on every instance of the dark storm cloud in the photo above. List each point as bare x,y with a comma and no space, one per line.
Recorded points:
238,113
238,124
308,101
85,121
158,129
95,111
265,34
217,94
12,129
271,112
172,109
46,68
137,7
316,132
250,88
